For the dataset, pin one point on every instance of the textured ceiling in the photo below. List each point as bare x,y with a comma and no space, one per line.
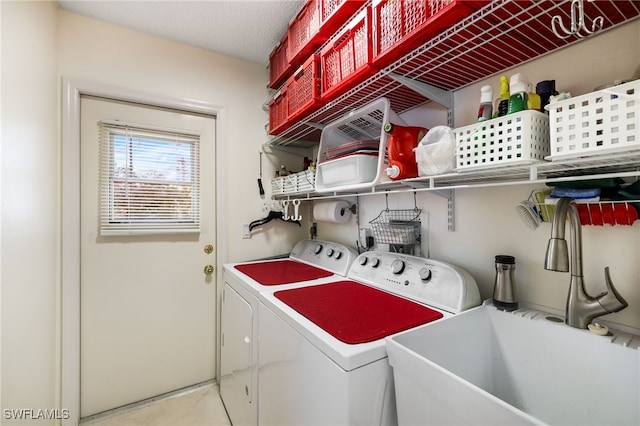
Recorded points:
245,29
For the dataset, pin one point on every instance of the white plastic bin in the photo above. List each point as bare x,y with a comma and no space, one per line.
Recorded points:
520,138
352,169
349,169
601,122
298,182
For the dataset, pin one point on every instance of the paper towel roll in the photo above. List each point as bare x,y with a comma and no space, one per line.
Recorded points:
332,212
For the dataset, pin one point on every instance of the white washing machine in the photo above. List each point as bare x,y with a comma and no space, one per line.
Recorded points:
322,356
311,262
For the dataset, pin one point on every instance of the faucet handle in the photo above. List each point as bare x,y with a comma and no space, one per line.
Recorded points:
611,300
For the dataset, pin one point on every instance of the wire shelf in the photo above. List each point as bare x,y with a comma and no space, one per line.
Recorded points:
501,35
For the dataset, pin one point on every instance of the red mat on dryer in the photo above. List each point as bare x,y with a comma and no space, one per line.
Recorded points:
356,313
282,272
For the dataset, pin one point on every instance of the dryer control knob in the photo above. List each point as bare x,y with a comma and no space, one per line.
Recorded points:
318,249
364,260
338,255
425,274
330,252
375,262
397,266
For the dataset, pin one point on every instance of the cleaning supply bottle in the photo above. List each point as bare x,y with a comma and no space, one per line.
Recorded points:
519,87
545,89
402,158
534,102
485,111
503,106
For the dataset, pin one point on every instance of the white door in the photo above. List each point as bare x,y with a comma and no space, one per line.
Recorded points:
147,310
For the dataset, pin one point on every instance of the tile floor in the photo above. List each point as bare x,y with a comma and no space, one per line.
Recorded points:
201,406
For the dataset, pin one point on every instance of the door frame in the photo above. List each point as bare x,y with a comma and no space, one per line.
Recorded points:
69,298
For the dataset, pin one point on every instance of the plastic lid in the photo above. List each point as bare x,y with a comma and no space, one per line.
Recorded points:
486,94
393,171
546,86
504,88
503,258
519,83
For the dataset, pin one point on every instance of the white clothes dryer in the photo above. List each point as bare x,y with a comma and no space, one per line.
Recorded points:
310,262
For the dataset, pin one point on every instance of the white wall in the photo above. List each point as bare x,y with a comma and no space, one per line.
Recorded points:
486,222
29,264
103,53
41,45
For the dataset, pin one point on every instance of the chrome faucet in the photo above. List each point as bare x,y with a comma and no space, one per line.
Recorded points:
581,307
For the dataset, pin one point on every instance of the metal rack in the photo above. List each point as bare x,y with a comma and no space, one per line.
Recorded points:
624,165
502,34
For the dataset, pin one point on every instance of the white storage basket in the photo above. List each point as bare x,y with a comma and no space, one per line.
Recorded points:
602,122
352,170
520,138
298,182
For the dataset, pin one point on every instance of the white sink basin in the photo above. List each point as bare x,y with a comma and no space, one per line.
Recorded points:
486,366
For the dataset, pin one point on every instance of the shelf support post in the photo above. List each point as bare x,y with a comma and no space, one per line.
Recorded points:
451,207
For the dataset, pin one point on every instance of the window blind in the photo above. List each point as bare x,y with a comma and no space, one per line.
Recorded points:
149,180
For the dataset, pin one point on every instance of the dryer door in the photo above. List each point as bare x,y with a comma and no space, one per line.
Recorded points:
236,363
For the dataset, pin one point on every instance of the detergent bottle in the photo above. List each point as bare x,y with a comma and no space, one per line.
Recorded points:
485,112
519,99
402,158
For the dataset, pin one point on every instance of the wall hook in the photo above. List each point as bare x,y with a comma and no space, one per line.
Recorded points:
578,23
296,210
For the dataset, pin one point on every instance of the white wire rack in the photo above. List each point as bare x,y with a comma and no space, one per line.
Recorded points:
502,34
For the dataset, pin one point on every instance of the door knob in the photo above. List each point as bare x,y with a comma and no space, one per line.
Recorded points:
208,248
208,270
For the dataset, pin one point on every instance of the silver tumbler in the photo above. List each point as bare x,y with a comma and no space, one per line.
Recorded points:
504,289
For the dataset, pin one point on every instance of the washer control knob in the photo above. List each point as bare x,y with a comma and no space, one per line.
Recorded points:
338,255
317,249
425,274
364,260
330,252
375,262
397,266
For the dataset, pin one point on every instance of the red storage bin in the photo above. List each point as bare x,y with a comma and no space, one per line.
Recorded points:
403,25
336,13
279,113
346,59
279,69
304,32
303,89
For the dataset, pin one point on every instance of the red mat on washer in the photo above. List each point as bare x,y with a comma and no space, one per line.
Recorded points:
356,313
282,272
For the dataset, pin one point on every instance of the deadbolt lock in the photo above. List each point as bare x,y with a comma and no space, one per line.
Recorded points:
208,270
208,248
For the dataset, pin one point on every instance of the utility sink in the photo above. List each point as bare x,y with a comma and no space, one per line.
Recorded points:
486,366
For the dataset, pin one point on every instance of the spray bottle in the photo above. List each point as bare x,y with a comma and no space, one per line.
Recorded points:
519,86
503,106
402,158
486,107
